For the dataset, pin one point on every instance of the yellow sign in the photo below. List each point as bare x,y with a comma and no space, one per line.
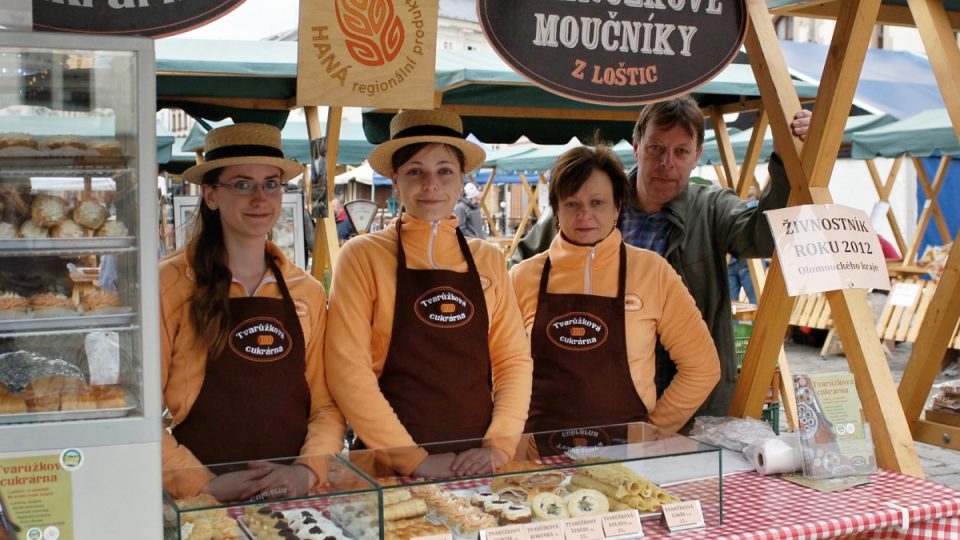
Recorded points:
367,53
36,497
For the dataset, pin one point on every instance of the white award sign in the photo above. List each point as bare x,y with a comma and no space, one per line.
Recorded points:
827,247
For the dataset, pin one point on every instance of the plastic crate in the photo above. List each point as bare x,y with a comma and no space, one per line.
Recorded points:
771,415
741,337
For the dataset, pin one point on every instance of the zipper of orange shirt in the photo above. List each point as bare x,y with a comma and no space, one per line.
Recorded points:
433,234
587,272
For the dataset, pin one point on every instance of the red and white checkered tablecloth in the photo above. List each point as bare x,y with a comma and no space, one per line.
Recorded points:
759,507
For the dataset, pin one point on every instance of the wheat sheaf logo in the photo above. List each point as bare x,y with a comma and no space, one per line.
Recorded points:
372,30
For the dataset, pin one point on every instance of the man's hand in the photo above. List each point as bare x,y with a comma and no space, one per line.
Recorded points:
799,126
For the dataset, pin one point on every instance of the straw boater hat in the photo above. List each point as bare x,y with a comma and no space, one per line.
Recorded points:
434,126
243,144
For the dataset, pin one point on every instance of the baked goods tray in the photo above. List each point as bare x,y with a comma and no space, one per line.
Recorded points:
63,416
59,165
66,323
92,244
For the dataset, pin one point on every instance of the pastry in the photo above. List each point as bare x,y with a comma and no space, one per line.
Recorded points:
515,514
11,403
395,496
64,141
13,306
587,502
7,230
549,506
110,397
624,488
479,498
411,528
52,305
515,494
90,214
106,147
113,228
405,509
78,400
43,394
30,229
67,229
18,140
48,210
474,523
496,506
99,301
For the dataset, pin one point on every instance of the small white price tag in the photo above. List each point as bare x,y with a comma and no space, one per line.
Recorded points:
904,294
684,515
510,532
545,530
625,522
585,528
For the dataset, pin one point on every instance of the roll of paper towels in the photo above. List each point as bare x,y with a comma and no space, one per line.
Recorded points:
778,455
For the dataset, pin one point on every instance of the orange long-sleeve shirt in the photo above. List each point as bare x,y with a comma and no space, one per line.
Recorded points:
657,304
360,322
183,361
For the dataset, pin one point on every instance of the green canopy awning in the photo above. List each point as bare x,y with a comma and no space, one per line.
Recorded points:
920,135
101,127
353,150
499,106
740,141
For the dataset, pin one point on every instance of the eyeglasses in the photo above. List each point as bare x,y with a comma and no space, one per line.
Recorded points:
244,187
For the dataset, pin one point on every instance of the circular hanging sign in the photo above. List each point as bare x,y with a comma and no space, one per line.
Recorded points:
155,18
615,52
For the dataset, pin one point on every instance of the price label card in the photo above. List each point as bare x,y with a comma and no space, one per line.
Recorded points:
585,528
545,530
683,515
904,294
625,522
511,532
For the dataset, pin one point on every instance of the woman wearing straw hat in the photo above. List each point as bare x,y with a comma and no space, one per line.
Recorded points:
578,301
241,335
424,340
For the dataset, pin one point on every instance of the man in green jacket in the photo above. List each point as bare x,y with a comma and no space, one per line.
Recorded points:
694,226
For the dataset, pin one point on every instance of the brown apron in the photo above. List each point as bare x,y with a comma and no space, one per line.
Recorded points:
255,402
437,372
581,376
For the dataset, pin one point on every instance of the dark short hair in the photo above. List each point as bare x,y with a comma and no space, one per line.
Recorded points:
405,153
682,111
575,166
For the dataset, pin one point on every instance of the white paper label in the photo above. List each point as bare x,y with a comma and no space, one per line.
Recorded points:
511,532
683,515
905,294
625,522
585,528
827,247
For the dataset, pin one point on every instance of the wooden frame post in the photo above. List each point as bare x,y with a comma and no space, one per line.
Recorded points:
943,313
809,172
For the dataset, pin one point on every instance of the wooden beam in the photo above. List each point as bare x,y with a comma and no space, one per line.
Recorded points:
889,14
727,155
883,190
932,340
752,157
809,175
938,434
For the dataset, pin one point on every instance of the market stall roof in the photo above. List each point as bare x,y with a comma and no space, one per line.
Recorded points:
897,83
893,12
354,148
79,126
739,141
920,135
498,105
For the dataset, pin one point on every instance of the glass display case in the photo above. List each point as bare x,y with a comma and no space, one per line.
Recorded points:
613,475
79,369
563,478
280,516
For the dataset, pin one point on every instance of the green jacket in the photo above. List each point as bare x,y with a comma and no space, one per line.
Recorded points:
708,223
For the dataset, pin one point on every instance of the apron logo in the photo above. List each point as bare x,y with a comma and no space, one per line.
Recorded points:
578,438
577,331
444,307
260,339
